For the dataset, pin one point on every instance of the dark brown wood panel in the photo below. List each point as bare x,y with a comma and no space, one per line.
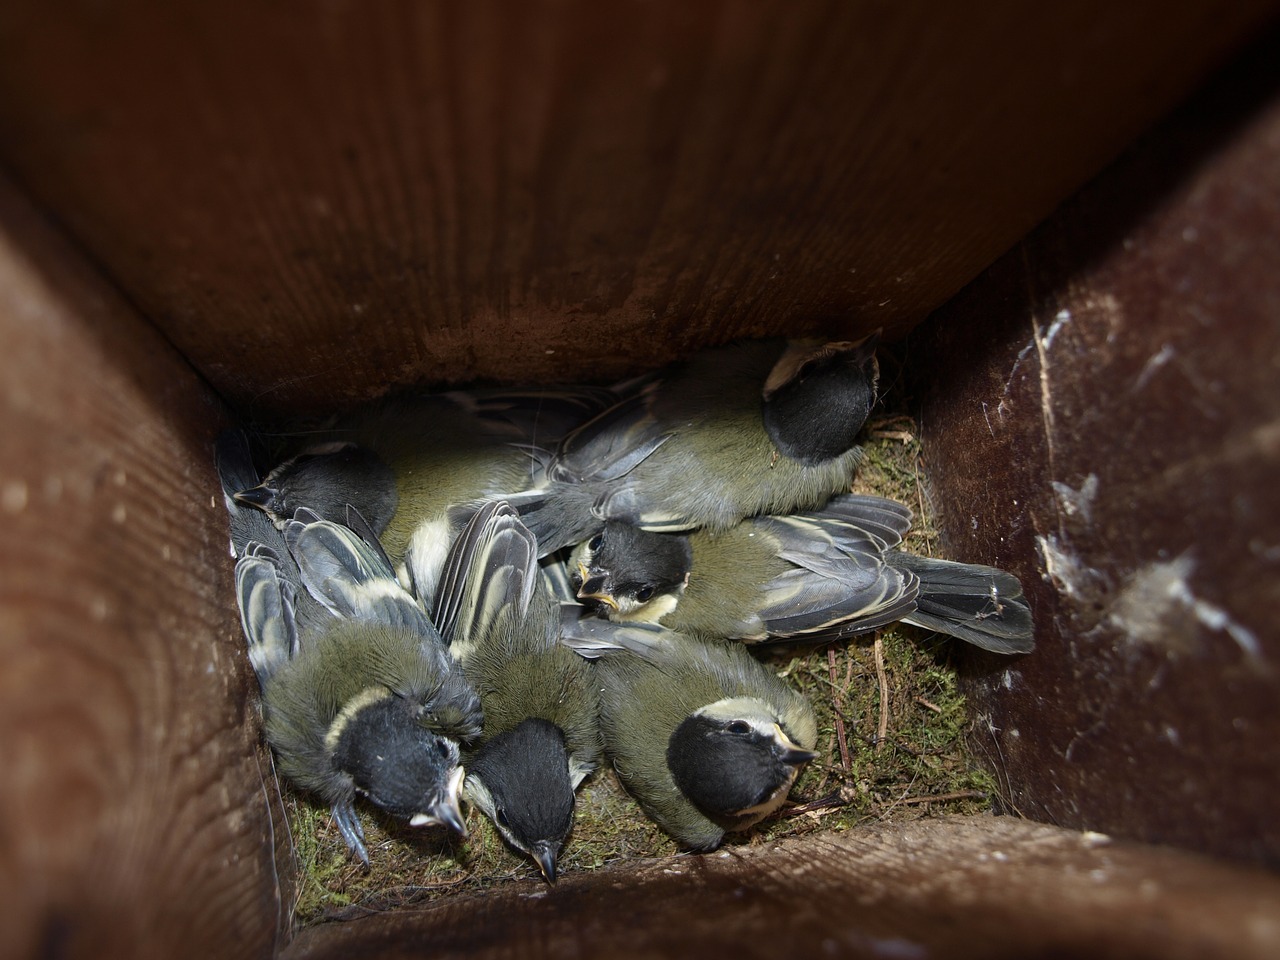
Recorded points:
1115,437
134,795
314,202
962,887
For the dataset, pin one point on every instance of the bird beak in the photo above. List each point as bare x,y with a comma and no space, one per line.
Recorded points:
789,752
544,853
594,588
446,811
260,496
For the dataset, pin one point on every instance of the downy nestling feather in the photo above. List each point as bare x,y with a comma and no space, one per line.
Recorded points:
756,427
824,573
700,732
360,696
542,734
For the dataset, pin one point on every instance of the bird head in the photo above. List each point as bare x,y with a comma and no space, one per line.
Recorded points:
521,780
631,574
326,479
818,395
733,760
396,762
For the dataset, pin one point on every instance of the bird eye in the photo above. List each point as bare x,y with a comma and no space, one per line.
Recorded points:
595,542
501,818
739,727
442,748
644,594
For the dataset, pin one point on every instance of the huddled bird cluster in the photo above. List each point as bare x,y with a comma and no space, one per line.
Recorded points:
481,594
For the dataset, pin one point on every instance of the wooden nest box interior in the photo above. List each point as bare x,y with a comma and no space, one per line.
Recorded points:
1064,219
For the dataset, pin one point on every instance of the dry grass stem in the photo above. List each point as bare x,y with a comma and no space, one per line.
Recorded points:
838,702
882,727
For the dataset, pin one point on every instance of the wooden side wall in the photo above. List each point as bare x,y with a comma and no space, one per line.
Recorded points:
315,202
134,798
285,207
961,888
1115,436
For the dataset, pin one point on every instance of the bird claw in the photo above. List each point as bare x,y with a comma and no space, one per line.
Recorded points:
352,830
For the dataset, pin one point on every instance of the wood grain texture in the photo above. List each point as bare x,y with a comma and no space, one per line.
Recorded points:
134,796
316,202
963,887
1115,438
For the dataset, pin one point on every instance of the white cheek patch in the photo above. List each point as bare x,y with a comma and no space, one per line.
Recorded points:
479,794
651,612
773,801
582,555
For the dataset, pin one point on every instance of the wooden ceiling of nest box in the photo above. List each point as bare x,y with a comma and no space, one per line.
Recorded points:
315,202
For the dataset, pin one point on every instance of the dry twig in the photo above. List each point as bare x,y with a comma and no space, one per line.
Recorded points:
892,435
882,728
944,797
923,524
838,699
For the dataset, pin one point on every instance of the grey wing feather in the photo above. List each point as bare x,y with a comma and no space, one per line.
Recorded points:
446,605
346,576
840,582
611,444
593,637
362,528
801,603
556,517
626,502
266,579
266,599
491,566
555,574
306,515
834,550
451,591
883,520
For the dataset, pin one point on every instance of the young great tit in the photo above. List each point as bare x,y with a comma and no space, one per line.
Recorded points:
359,694
756,427
403,463
826,573
704,736
542,735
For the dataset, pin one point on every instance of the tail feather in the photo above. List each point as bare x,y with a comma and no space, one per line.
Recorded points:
978,604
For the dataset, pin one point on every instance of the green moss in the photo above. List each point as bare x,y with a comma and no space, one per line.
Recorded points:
919,769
